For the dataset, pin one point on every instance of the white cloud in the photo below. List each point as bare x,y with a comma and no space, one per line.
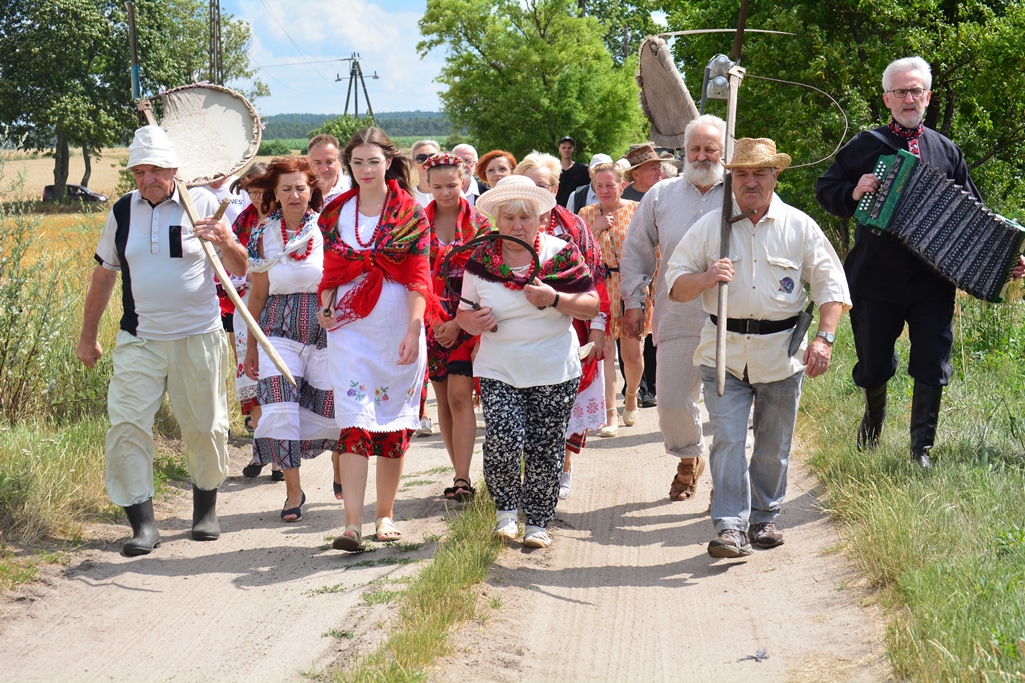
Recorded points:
383,33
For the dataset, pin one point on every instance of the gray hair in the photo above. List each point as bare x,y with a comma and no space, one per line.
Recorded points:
518,205
704,121
465,148
423,143
899,66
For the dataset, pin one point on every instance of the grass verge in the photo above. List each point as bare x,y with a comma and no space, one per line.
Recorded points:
438,599
945,547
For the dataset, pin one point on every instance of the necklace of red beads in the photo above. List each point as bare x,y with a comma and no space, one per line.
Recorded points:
284,240
500,261
377,228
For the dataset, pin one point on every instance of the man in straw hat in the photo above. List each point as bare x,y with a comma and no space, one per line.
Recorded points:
170,337
664,216
777,250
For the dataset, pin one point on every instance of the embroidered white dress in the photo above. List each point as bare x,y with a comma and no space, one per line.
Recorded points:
372,391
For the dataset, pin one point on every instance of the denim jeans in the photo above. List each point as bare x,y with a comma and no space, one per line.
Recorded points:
749,494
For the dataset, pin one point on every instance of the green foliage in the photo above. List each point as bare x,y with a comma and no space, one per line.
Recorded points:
842,48
396,124
615,15
274,148
343,127
945,546
522,75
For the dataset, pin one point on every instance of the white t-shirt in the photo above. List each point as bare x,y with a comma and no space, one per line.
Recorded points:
343,185
531,347
237,202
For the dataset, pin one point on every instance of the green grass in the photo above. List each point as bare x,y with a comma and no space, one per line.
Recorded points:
438,599
945,547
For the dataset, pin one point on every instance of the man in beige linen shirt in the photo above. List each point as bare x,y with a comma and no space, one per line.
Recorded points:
774,252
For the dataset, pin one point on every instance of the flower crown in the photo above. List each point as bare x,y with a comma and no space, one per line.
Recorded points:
442,159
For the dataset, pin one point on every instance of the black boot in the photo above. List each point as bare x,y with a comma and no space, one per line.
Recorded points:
145,536
205,526
925,414
872,420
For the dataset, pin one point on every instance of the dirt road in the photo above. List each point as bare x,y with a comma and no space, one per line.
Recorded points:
626,592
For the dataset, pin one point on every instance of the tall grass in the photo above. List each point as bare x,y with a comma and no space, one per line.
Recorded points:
439,599
946,547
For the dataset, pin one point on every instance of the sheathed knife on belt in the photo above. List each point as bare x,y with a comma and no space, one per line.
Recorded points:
804,319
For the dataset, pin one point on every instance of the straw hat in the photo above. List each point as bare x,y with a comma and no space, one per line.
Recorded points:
757,153
512,188
639,155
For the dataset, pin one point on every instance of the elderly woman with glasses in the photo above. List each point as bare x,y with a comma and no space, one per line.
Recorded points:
528,362
589,409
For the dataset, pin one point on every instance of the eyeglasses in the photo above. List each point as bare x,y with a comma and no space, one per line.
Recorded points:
420,158
901,93
544,187
372,164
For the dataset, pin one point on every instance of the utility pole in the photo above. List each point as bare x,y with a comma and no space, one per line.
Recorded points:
356,81
216,74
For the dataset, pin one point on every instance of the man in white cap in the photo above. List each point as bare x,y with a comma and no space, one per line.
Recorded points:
585,194
170,337
778,250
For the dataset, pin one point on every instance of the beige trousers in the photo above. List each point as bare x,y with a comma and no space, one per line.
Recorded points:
192,372
678,386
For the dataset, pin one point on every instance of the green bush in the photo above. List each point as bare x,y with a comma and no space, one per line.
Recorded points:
274,148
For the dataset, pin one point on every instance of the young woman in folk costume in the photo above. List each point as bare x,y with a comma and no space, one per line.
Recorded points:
453,223
286,257
375,292
589,410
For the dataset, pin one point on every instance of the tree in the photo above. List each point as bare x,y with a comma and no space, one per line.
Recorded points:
64,68
520,75
842,47
617,15
343,127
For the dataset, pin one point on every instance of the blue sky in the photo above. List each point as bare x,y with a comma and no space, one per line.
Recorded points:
383,32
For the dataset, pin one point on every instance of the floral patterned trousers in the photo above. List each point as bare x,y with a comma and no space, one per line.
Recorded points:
530,422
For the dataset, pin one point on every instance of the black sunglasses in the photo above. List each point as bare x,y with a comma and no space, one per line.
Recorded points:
420,158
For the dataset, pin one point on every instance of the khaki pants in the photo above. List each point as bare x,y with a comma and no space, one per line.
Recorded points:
192,371
678,384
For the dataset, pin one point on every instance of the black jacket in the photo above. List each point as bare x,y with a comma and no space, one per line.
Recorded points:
878,267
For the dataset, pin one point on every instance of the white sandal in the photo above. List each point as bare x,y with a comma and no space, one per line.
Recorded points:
385,527
353,544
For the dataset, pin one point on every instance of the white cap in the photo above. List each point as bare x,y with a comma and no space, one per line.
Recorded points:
151,146
599,159
623,163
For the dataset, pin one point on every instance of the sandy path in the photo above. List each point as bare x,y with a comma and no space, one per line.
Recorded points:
626,593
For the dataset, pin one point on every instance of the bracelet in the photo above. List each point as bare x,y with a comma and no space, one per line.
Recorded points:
556,302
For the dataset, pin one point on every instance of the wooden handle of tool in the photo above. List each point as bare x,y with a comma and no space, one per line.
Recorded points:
254,328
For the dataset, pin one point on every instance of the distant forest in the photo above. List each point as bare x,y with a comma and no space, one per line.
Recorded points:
395,123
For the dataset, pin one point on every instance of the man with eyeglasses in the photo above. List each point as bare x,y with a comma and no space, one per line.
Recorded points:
889,285
471,188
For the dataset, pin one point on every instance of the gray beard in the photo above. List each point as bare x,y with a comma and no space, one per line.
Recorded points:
701,176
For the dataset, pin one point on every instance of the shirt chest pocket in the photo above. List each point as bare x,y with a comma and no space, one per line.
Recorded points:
783,278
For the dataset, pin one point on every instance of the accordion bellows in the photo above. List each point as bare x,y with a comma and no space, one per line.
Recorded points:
959,238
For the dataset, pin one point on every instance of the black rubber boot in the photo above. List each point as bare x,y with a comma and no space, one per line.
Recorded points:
925,414
205,526
872,420
145,536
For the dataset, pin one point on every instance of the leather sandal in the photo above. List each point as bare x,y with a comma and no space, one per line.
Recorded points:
685,483
296,512
462,492
353,544
386,530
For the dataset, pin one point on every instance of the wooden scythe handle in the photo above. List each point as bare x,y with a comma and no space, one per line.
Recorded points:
254,328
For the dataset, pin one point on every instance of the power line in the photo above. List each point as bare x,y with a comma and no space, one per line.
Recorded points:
292,40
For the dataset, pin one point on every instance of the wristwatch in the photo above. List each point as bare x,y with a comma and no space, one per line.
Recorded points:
828,336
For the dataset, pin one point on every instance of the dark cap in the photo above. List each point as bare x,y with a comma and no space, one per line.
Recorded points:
568,139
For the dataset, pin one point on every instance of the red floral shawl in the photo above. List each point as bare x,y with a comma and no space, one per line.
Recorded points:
399,254
578,232
469,224
242,227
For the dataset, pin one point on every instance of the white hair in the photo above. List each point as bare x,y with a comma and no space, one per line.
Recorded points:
538,159
704,121
899,66
423,143
465,148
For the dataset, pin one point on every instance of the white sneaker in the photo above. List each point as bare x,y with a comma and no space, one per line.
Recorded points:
536,537
426,428
565,482
506,527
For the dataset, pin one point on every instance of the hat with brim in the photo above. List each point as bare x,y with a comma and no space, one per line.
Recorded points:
513,188
757,153
638,156
152,146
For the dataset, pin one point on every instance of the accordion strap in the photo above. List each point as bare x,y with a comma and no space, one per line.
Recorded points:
885,140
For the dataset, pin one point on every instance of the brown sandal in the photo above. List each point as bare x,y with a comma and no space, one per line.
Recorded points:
685,483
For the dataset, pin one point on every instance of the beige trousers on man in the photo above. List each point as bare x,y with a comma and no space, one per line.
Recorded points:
192,371
678,386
